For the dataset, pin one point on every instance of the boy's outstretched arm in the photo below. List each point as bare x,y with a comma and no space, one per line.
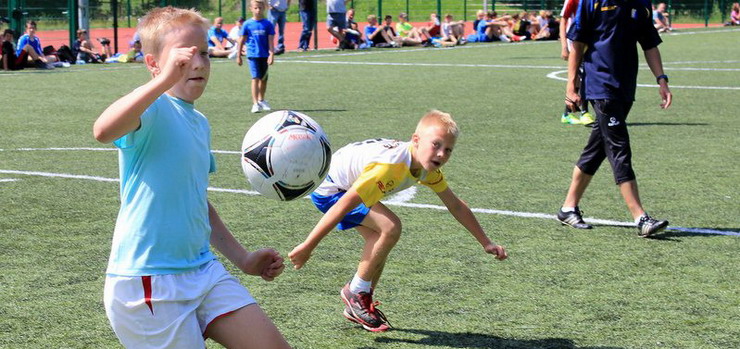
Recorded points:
265,263
465,216
123,116
301,253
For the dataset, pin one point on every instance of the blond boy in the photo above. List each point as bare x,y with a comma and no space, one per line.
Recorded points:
164,287
257,34
361,174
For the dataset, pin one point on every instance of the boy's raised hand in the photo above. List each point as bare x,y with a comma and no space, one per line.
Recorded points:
300,255
497,251
265,263
178,63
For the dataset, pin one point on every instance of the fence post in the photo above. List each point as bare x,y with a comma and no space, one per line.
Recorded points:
72,8
15,11
114,6
465,10
244,9
128,13
219,8
439,9
380,9
407,7
706,13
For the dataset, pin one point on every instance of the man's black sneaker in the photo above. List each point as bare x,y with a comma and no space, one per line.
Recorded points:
360,308
573,219
649,226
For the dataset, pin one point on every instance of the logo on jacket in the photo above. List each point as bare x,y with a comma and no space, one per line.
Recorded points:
613,122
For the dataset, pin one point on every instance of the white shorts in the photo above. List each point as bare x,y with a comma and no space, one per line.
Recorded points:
174,310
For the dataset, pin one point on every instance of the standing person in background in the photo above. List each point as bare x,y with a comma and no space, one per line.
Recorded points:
336,21
258,34
307,11
606,41
276,15
566,45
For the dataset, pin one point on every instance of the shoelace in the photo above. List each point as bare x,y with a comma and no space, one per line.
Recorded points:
380,314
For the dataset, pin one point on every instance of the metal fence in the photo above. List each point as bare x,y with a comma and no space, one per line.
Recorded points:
65,15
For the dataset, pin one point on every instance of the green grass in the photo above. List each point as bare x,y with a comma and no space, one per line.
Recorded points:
603,288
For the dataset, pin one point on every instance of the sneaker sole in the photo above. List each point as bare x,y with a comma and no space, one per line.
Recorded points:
656,231
352,317
573,226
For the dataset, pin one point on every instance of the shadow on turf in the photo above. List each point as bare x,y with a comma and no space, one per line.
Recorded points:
670,234
667,124
478,340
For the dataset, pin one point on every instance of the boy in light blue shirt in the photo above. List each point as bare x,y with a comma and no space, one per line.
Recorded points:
258,34
164,287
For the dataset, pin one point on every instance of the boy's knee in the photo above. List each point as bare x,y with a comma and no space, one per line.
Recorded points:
393,231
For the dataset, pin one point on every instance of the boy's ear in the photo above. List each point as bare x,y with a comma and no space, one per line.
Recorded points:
151,64
415,139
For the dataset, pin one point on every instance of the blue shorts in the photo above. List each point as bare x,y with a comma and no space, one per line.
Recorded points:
336,19
351,220
258,67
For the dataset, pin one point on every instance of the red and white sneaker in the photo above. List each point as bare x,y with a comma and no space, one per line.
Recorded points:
360,308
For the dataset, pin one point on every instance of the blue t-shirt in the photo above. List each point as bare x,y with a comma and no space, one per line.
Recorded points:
482,26
257,34
369,30
611,30
219,33
163,225
26,40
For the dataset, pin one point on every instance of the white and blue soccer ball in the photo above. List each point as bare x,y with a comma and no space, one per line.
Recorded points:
285,155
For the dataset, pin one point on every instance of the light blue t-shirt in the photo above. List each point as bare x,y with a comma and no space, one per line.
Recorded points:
163,225
220,34
258,36
335,6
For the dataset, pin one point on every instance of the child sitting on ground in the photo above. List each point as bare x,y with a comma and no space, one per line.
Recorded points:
360,175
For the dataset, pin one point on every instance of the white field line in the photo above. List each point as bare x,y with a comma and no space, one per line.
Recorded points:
3,180
464,65
555,75
402,204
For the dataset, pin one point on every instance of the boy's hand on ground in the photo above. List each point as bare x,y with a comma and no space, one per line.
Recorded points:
265,263
178,64
497,251
300,255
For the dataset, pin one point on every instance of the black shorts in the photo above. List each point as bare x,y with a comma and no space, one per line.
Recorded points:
609,139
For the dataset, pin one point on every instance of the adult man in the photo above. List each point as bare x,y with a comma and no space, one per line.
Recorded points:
608,31
307,11
219,43
276,15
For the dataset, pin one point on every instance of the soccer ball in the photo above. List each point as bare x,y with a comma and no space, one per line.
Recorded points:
285,155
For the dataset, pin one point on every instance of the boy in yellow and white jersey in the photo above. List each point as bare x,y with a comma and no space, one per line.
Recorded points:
361,174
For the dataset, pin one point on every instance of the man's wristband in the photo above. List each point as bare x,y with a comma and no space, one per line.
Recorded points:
657,79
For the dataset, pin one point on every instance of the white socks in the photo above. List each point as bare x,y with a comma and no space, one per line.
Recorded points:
504,38
359,285
567,209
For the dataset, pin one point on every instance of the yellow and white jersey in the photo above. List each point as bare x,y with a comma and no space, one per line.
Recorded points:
376,168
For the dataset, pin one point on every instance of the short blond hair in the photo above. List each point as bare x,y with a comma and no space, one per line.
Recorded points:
160,21
370,18
262,3
438,118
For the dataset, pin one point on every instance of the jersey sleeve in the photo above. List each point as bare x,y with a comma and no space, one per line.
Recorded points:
134,138
436,181
580,29
376,180
648,37
569,8
270,29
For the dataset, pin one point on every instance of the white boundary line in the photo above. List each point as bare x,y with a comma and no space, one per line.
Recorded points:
3,180
554,75
397,203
